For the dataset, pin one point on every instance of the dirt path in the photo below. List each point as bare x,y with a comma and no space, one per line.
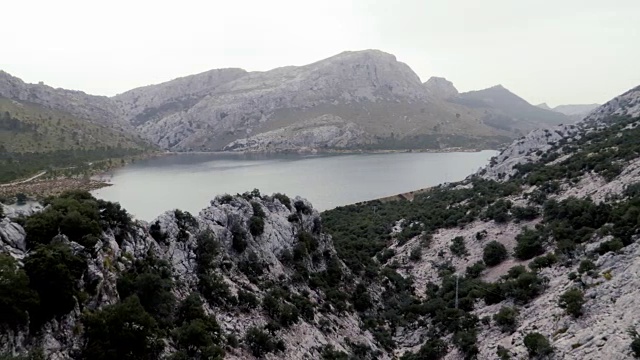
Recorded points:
24,181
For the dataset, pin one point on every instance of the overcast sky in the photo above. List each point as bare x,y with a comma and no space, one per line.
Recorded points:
554,51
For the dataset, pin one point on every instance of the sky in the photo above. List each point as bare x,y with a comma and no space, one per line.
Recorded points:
558,52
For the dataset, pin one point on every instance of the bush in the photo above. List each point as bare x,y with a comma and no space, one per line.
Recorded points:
503,353
121,331
247,300
526,213
16,298
415,254
156,232
284,200
238,238
537,345
529,244
53,272
261,343
611,245
543,261
301,207
586,266
152,282
256,225
507,319
572,301
499,211
432,349
494,253
458,247
474,271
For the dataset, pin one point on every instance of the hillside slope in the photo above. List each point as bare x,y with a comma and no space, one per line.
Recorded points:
35,138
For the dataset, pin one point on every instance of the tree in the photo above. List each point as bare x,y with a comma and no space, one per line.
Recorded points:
572,301
256,225
121,331
16,298
537,345
635,342
494,253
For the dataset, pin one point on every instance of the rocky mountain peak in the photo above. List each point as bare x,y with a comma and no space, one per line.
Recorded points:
627,104
544,106
440,87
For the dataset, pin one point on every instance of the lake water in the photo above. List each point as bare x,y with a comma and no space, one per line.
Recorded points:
188,181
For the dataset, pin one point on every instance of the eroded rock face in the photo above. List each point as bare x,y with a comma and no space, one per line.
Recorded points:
625,104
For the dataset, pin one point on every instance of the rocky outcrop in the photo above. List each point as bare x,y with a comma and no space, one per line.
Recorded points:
440,87
324,132
176,242
625,104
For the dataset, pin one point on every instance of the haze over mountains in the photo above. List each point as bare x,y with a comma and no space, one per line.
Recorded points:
354,100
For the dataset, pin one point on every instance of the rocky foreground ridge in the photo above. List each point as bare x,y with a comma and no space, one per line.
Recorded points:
369,99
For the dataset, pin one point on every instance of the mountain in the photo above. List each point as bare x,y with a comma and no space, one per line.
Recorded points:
99,109
371,100
532,258
576,109
356,100
34,138
507,111
544,106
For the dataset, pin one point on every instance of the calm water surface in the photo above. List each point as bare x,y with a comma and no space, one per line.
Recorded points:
189,181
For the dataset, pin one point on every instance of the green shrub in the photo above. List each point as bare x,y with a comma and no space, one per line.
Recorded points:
458,247
586,266
507,319
121,331
238,238
572,301
611,245
503,353
499,211
529,244
330,353
247,300
256,225
526,213
301,207
53,272
156,232
284,200
494,253
433,348
543,261
261,343
257,210
537,345
474,271
416,254
16,298
152,282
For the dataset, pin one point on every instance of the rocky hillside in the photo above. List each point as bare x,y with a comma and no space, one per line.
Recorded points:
528,259
99,109
543,248
35,138
250,276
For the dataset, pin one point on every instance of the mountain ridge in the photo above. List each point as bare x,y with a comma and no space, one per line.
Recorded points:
383,97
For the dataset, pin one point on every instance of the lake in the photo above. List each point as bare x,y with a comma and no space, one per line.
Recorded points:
188,181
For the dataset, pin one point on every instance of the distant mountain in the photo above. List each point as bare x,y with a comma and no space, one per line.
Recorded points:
367,99
34,138
506,111
544,106
576,109
354,100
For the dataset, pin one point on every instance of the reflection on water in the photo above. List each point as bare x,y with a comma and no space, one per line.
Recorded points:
189,181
